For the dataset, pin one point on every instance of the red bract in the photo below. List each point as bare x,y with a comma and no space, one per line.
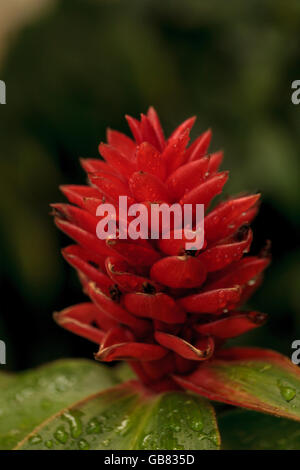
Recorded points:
165,310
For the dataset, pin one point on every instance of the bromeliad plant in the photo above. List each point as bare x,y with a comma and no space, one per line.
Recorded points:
164,310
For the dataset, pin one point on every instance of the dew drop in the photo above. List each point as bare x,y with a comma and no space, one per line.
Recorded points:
288,393
74,422
61,435
123,427
106,442
94,426
49,444
147,443
196,424
265,367
35,439
83,444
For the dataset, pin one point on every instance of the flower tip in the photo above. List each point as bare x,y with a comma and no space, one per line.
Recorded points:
258,318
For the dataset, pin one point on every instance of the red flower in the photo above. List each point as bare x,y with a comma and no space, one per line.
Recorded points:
165,310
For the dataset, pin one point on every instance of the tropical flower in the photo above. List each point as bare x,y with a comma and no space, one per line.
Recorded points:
167,311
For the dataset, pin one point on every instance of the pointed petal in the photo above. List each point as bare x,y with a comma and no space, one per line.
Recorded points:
215,160
114,310
187,177
254,378
78,319
212,301
174,153
179,271
91,204
78,258
201,352
121,142
75,215
249,289
241,272
131,351
187,124
155,306
149,160
110,185
116,160
233,325
221,255
135,253
87,255
148,133
217,222
146,187
94,165
205,192
175,241
77,194
135,128
123,275
84,238
116,335
154,119
200,146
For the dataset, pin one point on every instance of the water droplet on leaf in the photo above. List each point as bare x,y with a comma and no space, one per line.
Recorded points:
35,439
93,426
61,435
288,393
83,445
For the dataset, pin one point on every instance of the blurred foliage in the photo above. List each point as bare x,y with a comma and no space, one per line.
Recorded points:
87,63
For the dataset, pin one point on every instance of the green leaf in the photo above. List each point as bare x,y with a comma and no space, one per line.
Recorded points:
128,417
6,379
29,398
247,430
254,378
123,372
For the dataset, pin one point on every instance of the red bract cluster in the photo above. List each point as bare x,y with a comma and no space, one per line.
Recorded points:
165,310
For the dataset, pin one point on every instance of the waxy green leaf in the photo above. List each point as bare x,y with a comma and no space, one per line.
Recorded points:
27,399
253,378
248,430
128,417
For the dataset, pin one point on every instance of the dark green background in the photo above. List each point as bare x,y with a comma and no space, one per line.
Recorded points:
81,68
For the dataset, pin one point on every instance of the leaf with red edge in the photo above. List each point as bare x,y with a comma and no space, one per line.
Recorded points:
127,417
254,378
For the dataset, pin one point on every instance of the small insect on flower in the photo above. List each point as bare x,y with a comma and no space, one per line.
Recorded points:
165,309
